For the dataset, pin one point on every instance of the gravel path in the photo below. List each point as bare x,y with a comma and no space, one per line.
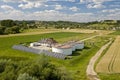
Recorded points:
92,75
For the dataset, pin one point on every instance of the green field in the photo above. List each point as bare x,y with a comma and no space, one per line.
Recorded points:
104,76
80,58
115,33
6,43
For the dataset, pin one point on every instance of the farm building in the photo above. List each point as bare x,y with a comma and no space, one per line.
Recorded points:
79,45
63,49
68,47
51,44
48,42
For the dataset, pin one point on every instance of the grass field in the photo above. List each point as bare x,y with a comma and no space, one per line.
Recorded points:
104,76
80,58
116,33
78,64
111,60
6,43
43,31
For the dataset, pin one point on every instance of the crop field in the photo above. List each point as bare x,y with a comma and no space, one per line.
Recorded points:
110,62
51,30
64,30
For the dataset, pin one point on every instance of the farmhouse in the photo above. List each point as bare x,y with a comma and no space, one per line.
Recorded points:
51,44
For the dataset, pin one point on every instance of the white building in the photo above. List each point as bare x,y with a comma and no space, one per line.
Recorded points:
35,44
63,49
48,42
66,48
79,45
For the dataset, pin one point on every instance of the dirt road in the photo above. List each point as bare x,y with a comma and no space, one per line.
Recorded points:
92,75
90,38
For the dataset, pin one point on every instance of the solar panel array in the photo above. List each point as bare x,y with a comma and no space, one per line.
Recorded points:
39,51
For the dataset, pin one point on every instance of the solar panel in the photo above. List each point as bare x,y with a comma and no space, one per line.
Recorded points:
39,51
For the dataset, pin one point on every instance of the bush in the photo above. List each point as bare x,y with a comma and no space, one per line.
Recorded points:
38,69
25,76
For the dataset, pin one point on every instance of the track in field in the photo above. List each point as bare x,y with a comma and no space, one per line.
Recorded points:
110,62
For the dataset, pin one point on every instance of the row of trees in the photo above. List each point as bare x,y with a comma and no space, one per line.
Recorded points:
9,27
12,27
10,30
101,25
38,69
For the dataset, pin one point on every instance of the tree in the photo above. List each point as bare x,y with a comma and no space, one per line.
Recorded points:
8,31
2,29
8,23
15,29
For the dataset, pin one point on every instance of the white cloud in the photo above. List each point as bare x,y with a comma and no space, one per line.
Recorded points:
56,15
30,5
95,6
38,5
53,15
6,7
115,5
74,8
71,0
58,7
47,15
100,1
16,1
114,15
13,14
111,10
94,3
46,5
10,13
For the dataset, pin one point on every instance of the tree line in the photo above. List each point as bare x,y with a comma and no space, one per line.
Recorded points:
14,26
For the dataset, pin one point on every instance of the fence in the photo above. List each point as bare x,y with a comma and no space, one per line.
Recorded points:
39,51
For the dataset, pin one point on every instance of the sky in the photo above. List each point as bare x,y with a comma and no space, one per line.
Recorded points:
60,10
